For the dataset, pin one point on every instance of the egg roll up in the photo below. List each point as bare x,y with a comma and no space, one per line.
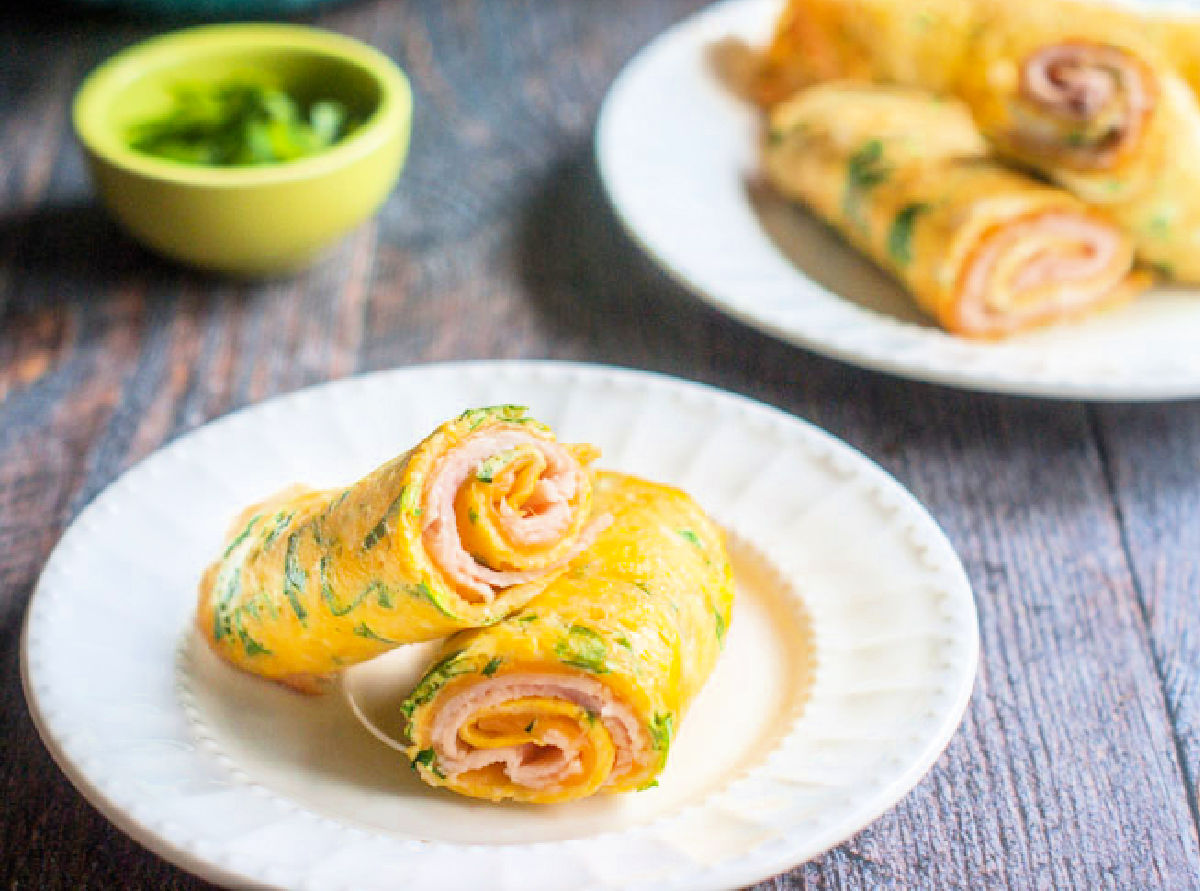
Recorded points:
904,176
459,532
917,43
1097,108
1099,99
584,689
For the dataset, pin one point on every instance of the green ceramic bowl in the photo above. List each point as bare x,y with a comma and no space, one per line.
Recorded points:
261,220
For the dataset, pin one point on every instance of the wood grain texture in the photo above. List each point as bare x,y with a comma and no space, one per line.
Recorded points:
1077,764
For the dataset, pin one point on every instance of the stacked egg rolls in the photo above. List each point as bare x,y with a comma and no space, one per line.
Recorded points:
905,177
1100,100
584,689
459,532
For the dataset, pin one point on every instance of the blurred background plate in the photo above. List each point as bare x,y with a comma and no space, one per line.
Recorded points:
679,157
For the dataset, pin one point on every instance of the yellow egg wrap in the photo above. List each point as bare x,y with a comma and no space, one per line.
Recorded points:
920,43
313,581
905,177
1138,163
1133,158
636,624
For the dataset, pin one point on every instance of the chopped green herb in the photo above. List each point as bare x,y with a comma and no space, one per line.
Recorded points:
529,617
661,730
690,536
865,170
488,469
410,497
476,416
473,516
221,617
241,536
294,578
382,595
529,726
582,648
381,529
1076,138
649,785
282,521
425,592
252,646
624,641
721,626
241,122
449,666
900,235
363,630
776,137
1160,226
492,666
376,589
427,758
644,588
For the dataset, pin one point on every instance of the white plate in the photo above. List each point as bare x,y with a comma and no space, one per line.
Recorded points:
849,660
678,156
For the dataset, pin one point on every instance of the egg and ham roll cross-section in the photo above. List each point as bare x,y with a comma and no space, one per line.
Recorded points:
1102,100
1097,108
459,532
583,690
904,176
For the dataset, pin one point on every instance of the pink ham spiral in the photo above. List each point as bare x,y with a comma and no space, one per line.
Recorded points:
1102,95
1043,266
538,766
545,516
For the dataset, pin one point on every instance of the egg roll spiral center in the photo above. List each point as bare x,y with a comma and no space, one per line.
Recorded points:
1086,102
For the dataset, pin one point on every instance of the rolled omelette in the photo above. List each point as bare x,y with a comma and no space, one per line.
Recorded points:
917,43
903,175
1097,98
1097,108
459,532
584,690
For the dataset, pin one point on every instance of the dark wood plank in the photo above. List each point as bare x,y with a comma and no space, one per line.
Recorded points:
1074,766
1153,458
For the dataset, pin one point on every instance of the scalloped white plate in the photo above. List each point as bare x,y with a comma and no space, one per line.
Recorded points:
678,155
849,660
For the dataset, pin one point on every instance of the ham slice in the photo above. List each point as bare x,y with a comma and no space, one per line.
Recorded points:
1093,101
1044,266
545,516
538,766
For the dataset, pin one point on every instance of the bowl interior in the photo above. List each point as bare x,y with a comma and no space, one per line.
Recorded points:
142,84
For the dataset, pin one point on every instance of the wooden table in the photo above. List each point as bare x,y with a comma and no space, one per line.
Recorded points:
1077,764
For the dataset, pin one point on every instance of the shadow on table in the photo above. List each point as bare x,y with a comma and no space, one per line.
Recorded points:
61,255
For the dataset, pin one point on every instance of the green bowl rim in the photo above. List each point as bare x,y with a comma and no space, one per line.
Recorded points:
393,111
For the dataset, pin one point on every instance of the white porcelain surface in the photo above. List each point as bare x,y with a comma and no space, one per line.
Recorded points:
849,660
678,155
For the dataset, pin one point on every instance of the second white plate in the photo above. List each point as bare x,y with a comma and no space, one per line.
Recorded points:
848,664
678,156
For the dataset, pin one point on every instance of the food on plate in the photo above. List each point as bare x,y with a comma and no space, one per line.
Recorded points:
459,532
239,122
1100,112
904,176
1100,100
919,43
584,689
